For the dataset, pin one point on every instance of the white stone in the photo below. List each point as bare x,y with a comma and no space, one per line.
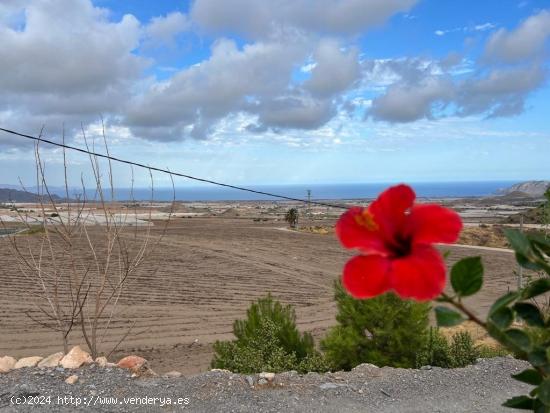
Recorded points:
7,363
102,361
27,362
268,376
71,379
51,361
172,374
75,358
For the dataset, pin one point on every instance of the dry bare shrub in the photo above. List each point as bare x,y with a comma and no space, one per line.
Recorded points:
81,261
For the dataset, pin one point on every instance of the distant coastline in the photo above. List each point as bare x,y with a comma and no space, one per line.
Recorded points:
318,191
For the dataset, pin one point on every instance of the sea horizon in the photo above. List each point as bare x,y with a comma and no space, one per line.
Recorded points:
451,189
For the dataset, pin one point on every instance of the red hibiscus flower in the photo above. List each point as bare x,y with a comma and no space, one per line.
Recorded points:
395,237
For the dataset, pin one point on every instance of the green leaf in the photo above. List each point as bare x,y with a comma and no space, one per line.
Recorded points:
504,301
537,357
528,263
467,276
519,241
446,317
519,402
529,376
538,287
544,392
530,313
519,338
502,318
541,241
539,407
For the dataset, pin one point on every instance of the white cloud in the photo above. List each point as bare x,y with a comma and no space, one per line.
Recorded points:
410,102
526,41
67,63
423,90
467,29
501,93
261,18
335,70
163,30
231,80
68,83
483,27
255,79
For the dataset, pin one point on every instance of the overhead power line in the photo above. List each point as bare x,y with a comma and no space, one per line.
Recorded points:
152,168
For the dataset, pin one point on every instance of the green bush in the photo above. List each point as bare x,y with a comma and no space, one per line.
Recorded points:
436,352
463,350
460,352
385,331
487,352
268,340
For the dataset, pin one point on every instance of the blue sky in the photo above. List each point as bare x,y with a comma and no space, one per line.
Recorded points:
278,92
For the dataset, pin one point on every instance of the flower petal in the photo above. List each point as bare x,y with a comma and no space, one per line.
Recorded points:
366,276
389,209
354,235
430,223
420,275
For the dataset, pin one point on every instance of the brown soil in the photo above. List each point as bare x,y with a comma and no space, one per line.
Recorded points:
484,236
203,276
538,215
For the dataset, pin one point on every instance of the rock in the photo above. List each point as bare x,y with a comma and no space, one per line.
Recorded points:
27,362
137,365
365,367
327,386
250,381
51,361
71,379
268,376
220,371
101,361
262,382
133,363
428,367
172,374
75,358
7,363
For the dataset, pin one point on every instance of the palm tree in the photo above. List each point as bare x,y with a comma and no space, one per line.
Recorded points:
291,217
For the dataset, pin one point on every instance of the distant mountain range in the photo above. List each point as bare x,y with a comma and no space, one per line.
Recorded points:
528,188
16,195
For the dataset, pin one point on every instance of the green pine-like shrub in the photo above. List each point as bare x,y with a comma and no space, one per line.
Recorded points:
439,352
385,331
268,340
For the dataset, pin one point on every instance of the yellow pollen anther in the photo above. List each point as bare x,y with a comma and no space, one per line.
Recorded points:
365,219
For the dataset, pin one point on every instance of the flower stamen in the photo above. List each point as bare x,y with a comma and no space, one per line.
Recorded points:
366,220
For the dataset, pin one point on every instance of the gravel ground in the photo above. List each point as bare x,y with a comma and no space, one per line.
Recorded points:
478,388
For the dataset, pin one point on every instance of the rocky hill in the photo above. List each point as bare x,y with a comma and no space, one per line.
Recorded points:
528,188
15,195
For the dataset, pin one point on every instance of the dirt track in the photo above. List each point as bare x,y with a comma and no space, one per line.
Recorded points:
203,276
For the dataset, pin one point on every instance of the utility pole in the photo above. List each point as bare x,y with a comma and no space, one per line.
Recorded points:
309,203
520,271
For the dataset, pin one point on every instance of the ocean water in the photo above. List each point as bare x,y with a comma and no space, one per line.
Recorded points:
318,191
